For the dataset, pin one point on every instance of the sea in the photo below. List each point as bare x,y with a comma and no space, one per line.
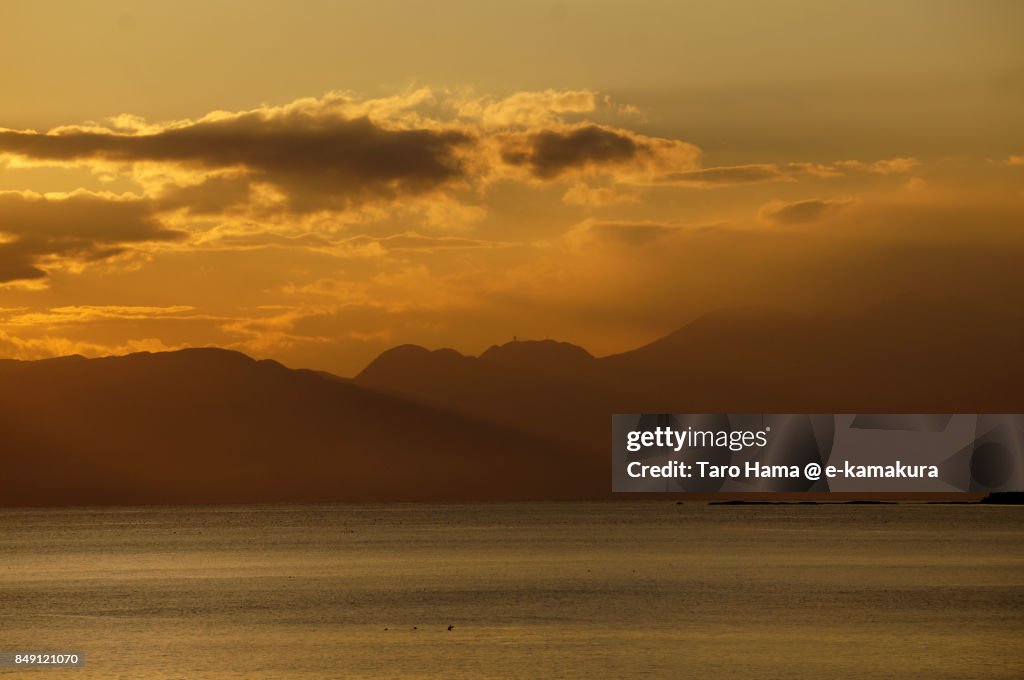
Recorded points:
616,589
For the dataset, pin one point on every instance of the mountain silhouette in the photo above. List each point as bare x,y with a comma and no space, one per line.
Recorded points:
909,354
548,356
524,420
549,389
210,425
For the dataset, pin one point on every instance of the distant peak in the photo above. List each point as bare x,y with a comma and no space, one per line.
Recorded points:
416,351
204,354
744,316
404,358
64,359
537,352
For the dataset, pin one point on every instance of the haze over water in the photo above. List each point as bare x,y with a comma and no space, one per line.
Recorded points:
585,590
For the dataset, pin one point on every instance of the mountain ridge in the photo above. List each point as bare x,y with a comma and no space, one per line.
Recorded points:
527,419
209,425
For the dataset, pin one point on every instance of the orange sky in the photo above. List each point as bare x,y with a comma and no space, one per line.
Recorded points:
317,184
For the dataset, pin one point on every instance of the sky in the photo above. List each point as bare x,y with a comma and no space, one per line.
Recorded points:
316,182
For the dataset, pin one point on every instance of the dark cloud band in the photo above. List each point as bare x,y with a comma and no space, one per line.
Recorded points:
85,227
317,161
550,153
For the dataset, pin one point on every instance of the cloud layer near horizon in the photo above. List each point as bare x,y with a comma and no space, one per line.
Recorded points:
324,229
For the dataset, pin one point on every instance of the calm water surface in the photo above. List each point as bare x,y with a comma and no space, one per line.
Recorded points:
553,590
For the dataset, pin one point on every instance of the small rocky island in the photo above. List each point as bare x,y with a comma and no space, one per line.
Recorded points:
1004,498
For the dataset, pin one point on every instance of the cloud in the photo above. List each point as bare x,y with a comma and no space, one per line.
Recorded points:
621,233
46,232
418,242
86,314
212,196
582,193
788,172
315,155
17,262
822,170
338,153
802,212
737,174
528,109
16,347
549,154
887,166
552,153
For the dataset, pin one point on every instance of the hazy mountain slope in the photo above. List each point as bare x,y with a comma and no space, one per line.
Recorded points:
908,354
210,425
554,390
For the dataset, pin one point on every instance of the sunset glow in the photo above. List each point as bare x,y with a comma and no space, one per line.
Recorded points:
158,192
